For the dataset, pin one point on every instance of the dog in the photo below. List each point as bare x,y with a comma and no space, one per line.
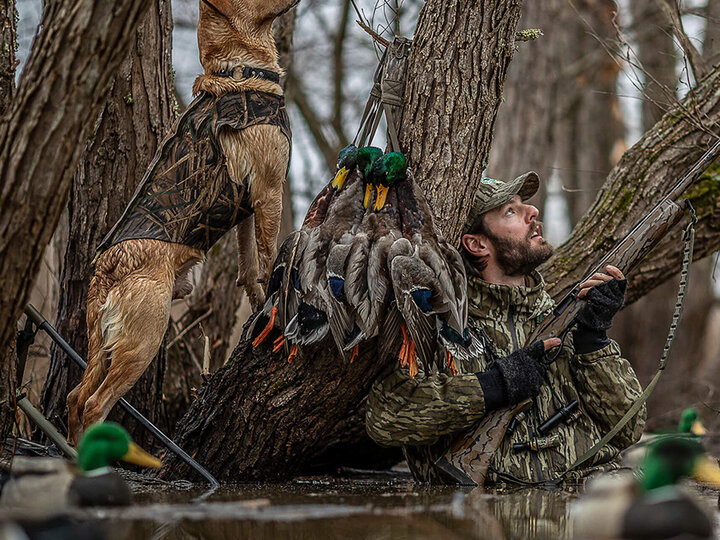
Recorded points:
224,164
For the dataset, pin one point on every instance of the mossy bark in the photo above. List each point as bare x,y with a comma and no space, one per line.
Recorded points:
641,178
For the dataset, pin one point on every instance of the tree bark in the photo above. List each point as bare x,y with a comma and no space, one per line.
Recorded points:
643,175
263,418
454,89
640,327
562,115
66,79
8,44
137,114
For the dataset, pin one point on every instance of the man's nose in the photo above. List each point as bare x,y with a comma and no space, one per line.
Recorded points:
531,213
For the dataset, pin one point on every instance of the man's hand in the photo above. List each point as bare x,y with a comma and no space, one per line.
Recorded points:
605,295
523,370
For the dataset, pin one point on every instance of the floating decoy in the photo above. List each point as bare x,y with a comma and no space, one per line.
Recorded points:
51,485
653,505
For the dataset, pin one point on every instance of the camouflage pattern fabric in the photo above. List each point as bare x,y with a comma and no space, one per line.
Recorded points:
187,195
427,413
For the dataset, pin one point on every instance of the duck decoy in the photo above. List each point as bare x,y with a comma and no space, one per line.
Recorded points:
51,485
653,505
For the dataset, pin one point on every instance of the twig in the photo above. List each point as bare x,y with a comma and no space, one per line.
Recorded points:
697,62
382,41
189,327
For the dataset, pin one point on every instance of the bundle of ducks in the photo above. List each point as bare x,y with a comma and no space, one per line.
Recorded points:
369,264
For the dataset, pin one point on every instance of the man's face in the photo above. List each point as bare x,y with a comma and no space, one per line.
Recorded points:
516,237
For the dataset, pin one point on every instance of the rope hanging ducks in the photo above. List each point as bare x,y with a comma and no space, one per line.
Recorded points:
386,95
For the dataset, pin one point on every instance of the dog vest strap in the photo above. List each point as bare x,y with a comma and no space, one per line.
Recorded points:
247,72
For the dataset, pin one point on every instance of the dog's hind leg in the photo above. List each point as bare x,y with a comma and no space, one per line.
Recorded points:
97,358
135,318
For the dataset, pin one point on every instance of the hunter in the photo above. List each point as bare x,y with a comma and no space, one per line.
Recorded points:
502,246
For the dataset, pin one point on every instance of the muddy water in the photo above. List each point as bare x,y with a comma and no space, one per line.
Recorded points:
358,507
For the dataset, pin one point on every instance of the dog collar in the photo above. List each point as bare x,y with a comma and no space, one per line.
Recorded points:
249,73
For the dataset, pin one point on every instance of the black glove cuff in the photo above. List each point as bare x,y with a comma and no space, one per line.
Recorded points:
586,340
493,389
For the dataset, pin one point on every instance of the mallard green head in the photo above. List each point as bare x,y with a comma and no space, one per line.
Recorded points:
387,172
690,423
105,442
366,156
671,459
347,159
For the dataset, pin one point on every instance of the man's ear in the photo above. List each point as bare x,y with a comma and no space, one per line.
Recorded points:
475,244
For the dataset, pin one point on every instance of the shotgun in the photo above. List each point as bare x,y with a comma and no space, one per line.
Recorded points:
630,250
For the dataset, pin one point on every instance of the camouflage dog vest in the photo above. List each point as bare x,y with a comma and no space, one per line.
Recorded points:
187,195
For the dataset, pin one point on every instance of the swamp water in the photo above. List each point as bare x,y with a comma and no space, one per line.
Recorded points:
358,506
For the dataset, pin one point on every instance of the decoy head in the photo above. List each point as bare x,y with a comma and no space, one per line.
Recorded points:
105,442
347,159
690,423
387,172
671,459
366,156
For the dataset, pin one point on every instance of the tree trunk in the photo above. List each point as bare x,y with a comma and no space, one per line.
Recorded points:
711,41
454,89
214,310
63,86
8,43
562,115
643,175
640,328
138,113
261,417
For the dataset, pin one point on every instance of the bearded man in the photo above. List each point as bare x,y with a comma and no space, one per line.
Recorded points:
502,246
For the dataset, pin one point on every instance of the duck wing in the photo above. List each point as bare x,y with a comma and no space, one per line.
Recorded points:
415,287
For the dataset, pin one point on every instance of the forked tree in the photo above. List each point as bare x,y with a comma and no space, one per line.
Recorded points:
261,417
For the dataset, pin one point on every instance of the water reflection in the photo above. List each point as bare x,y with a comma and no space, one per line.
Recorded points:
360,507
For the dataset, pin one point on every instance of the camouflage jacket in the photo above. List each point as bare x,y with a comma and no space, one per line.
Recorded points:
426,413
187,195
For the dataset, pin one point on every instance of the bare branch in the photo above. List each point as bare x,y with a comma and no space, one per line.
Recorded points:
314,124
697,62
338,73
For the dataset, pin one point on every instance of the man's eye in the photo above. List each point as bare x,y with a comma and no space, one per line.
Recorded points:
510,211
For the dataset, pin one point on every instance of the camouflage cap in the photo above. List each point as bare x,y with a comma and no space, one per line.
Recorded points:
493,193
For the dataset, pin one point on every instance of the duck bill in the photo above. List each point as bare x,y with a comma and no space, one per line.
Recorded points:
697,428
138,456
706,471
368,191
339,180
381,196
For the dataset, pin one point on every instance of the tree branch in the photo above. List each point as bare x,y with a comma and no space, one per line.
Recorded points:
697,62
643,175
313,122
